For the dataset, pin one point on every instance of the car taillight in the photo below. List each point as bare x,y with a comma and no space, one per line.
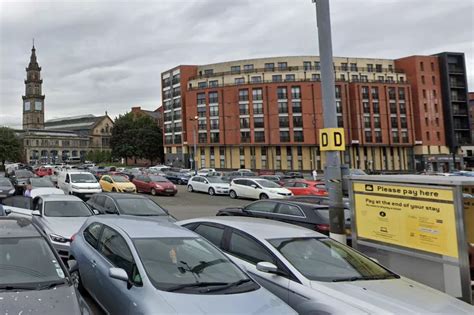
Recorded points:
322,227
73,237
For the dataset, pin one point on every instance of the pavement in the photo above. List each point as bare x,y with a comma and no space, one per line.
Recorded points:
185,205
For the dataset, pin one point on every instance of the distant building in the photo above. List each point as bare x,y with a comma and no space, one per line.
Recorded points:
57,140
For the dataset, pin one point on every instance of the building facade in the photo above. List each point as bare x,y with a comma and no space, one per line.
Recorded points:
57,140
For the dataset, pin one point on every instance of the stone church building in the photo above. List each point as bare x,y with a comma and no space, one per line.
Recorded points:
57,140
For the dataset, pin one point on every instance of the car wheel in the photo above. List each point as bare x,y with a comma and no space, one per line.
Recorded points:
190,188
211,191
180,182
233,194
114,190
263,196
153,192
76,281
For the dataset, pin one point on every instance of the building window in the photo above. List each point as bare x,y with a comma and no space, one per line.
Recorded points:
433,79
202,85
391,93
380,78
317,65
370,67
295,92
202,138
365,92
245,136
269,66
208,71
354,67
378,136
432,66
256,79
355,78
337,90
338,107
298,136
282,66
367,122
276,78
423,79
316,77
307,65
243,109
395,137
297,122
404,137
438,136
437,122
368,136
283,108
248,68
434,93
377,122
284,136
375,93
428,135
257,94
390,68
366,107
214,123
235,69
422,67
214,110
401,94
344,66
296,106
213,83
281,93
244,123
243,95
257,108
201,112
343,77
394,122
259,136
284,122
202,124
258,122
290,77
214,137
239,80
403,109
213,97
378,68
364,78
403,122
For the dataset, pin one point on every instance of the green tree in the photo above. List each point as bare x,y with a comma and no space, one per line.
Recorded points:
11,147
137,136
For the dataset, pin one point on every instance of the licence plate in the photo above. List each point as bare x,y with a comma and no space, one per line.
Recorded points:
169,190
2,195
87,196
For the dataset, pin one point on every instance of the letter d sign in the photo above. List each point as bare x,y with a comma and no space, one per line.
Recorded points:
331,139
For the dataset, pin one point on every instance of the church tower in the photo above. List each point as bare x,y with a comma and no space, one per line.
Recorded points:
33,101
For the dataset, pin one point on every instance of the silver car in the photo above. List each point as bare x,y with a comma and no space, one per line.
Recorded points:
314,273
60,217
131,265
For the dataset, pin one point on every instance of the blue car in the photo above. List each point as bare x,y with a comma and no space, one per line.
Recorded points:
177,177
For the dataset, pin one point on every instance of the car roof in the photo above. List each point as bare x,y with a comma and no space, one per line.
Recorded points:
59,198
17,227
116,195
137,227
260,228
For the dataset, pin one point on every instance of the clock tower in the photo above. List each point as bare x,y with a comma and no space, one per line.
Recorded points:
33,101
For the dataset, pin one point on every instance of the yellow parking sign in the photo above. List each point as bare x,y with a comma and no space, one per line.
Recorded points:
332,139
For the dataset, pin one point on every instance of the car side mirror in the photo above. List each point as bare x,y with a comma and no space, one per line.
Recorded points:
267,267
254,186
118,273
96,212
7,211
36,213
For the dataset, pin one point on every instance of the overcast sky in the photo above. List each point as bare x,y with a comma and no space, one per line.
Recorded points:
108,55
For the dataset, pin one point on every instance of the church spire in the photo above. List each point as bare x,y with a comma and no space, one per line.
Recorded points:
33,62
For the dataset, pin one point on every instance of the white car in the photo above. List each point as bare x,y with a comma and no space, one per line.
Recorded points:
205,171
210,185
81,184
317,275
257,189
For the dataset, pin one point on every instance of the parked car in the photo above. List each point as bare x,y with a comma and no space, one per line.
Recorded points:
52,178
317,275
306,187
156,185
257,189
6,188
20,178
175,269
187,171
239,174
127,204
205,171
210,185
293,175
116,183
43,171
309,215
274,178
178,177
38,182
78,183
132,173
33,279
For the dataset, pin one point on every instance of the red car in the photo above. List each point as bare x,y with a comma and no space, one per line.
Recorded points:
156,185
44,171
306,187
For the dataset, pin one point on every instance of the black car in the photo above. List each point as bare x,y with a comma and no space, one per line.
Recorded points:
306,214
6,188
127,204
33,276
177,177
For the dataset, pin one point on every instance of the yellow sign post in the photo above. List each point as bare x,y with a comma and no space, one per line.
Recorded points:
332,139
414,217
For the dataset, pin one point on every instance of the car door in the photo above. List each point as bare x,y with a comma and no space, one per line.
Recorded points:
106,183
239,187
247,251
252,189
261,209
204,184
291,214
139,182
299,188
199,183
87,257
116,296
110,206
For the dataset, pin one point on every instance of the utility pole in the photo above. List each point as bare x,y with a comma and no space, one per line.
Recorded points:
333,174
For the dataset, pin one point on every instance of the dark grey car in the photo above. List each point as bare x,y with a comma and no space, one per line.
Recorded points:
6,188
33,280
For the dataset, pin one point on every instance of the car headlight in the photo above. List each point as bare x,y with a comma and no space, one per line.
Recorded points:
158,186
12,191
174,186
58,238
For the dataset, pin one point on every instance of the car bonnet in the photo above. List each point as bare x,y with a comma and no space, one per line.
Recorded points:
63,226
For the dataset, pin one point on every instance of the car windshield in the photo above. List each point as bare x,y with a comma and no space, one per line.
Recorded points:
41,182
139,206
66,208
327,260
159,179
27,262
248,174
5,182
83,178
267,184
184,263
119,179
216,180
23,174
